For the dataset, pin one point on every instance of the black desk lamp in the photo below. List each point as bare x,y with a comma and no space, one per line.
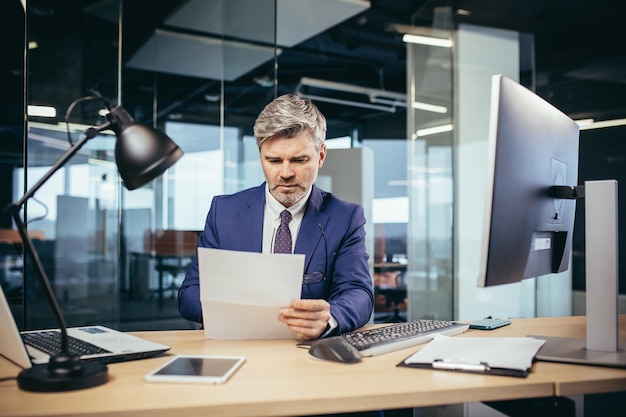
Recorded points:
142,154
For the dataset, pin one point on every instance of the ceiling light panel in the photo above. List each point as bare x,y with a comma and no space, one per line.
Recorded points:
298,20
199,56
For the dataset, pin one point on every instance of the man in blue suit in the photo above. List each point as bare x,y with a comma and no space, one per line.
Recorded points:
337,294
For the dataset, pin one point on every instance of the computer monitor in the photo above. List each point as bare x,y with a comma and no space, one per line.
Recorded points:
532,147
531,203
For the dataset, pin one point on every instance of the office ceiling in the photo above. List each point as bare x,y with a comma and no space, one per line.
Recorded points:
580,57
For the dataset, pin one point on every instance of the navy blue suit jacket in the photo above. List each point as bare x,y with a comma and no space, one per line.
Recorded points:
235,222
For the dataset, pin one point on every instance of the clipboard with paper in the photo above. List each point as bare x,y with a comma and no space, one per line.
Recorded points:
509,356
242,292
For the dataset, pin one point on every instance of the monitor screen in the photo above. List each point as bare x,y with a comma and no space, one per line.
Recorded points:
532,147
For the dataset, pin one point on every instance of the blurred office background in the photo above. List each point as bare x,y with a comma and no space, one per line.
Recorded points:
407,137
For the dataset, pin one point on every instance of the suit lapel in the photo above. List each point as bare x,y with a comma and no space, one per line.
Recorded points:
310,234
251,221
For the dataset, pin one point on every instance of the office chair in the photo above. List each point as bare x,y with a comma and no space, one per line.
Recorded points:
173,251
395,294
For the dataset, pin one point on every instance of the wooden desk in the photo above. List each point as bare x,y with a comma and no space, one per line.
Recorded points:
279,379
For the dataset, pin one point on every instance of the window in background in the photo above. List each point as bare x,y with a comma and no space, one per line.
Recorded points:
390,218
198,175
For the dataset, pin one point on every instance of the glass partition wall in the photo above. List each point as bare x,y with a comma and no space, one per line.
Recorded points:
185,72
116,257
430,81
201,70
449,74
77,210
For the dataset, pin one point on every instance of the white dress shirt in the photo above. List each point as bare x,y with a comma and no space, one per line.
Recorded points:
271,221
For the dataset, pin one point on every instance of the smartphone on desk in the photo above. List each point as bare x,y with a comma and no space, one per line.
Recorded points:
209,369
488,324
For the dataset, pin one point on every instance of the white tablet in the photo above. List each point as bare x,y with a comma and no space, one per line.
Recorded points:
208,369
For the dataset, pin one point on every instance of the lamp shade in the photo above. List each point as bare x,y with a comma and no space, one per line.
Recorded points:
142,153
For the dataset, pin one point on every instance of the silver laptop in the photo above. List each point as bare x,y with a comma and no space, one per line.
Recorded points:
111,345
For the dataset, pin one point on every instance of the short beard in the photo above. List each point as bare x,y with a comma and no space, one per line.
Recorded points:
290,199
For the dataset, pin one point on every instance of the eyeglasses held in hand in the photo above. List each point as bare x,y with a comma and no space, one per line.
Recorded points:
316,276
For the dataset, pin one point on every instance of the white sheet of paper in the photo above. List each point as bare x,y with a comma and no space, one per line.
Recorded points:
242,292
497,352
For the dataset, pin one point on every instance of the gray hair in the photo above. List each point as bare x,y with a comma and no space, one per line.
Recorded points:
288,116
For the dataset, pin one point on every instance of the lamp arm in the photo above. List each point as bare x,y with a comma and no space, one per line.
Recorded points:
88,134
15,209
43,277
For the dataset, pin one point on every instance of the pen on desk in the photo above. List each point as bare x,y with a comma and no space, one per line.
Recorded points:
451,364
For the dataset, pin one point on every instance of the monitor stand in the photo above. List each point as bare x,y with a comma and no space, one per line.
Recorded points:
601,346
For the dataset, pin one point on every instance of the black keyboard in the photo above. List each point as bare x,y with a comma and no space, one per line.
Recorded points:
389,338
49,341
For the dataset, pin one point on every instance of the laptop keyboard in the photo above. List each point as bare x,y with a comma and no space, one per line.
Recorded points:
49,341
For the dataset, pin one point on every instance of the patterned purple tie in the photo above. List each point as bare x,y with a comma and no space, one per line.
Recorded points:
282,241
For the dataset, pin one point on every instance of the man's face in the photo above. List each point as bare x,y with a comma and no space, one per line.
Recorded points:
290,166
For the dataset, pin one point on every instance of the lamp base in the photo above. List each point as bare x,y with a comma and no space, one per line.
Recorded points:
63,374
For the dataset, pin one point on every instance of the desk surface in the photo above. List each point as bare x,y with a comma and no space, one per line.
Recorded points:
279,379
